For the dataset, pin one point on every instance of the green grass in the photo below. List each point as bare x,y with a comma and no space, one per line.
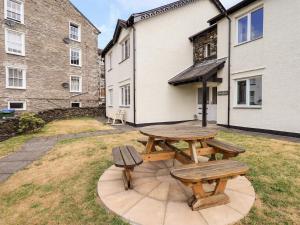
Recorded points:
61,187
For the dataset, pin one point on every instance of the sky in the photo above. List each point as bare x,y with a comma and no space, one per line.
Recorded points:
105,13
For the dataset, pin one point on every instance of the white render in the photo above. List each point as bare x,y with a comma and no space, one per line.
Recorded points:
163,49
276,57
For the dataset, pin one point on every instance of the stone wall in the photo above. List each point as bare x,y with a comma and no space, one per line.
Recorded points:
9,128
199,43
47,57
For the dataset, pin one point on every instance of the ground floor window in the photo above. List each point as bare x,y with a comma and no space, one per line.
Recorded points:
17,105
15,78
76,84
249,91
125,95
75,104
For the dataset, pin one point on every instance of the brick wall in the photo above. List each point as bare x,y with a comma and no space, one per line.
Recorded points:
199,43
47,59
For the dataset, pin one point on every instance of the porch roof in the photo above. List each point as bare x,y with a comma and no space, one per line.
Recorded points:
197,72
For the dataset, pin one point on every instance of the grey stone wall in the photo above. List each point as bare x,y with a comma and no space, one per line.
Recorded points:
9,128
47,58
199,43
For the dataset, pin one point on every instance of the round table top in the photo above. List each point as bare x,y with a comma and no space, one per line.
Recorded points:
180,132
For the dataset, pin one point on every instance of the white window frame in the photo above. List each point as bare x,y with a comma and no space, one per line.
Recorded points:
79,31
7,77
75,103
248,15
123,47
22,11
247,105
6,42
24,105
123,91
110,97
80,56
80,84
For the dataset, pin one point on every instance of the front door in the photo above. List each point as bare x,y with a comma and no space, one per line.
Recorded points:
211,100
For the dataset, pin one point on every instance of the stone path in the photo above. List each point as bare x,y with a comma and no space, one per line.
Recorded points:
38,147
159,199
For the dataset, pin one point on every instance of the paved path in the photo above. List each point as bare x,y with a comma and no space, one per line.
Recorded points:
38,147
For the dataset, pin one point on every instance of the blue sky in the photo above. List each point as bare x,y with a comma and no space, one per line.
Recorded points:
105,13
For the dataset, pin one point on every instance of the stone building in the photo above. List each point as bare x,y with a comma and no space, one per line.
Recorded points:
49,56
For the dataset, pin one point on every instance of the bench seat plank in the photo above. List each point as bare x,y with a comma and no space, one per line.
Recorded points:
126,156
209,171
225,147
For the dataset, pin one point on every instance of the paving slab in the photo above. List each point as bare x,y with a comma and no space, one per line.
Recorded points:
23,156
161,200
4,177
12,167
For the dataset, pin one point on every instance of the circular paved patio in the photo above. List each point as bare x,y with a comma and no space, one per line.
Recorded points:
159,199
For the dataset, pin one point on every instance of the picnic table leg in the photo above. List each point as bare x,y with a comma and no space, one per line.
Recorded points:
150,145
193,150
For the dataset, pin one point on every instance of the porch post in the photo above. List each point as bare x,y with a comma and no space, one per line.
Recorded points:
204,103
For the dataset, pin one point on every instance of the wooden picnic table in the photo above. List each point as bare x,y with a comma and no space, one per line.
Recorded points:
168,135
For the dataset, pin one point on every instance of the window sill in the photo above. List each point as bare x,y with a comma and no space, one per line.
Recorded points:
79,41
247,107
124,60
16,88
78,66
246,42
15,21
17,54
76,92
124,107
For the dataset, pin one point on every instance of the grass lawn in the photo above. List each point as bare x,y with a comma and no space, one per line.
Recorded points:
60,127
61,187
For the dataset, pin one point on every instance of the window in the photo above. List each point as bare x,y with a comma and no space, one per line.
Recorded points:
110,61
15,78
214,95
110,97
15,42
125,50
250,27
207,50
76,84
249,92
75,32
17,105
75,104
200,96
125,95
75,57
14,10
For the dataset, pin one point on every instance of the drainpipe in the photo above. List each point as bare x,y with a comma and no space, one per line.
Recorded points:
134,76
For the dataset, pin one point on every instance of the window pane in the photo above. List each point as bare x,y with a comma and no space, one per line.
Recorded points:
74,32
75,105
75,84
242,29
257,23
214,95
75,57
16,105
256,91
14,42
14,10
242,92
200,96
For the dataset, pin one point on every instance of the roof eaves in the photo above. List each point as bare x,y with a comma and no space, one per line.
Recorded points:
231,10
99,32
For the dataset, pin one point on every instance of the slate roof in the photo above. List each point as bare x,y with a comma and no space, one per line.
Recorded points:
198,71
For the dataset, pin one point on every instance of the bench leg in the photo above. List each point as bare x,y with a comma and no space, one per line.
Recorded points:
202,199
127,179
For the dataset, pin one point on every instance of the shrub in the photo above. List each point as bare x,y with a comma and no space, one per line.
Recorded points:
30,123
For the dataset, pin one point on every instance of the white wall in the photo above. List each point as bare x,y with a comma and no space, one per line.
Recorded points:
276,57
121,74
164,50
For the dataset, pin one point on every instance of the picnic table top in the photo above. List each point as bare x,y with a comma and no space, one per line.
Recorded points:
180,132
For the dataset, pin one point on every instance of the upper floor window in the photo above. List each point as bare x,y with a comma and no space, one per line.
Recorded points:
75,32
75,84
15,42
75,57
207,50
15,78
14,10
250,27
125,95
109,63
125,49
249,92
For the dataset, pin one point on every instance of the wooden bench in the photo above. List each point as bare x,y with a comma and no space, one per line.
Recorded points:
128,158
228,150
195,175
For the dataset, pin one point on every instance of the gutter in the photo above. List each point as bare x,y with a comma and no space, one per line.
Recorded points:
134,75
